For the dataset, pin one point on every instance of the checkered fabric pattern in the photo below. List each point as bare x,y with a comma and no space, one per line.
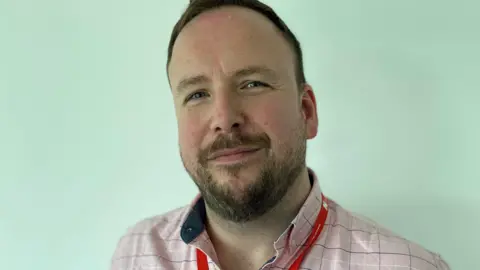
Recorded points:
347,242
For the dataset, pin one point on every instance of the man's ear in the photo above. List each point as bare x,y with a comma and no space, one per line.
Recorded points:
309,111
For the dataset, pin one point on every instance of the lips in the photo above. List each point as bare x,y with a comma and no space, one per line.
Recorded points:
231,152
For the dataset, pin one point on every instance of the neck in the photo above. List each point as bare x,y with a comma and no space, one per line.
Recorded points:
252,241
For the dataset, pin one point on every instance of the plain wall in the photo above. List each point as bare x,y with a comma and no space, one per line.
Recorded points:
88,136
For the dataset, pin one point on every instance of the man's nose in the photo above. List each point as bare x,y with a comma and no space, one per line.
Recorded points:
227,113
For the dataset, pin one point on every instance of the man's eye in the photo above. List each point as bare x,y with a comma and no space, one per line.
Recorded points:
195,95
253,84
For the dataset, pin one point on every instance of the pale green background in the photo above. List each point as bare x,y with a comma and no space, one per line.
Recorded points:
88,132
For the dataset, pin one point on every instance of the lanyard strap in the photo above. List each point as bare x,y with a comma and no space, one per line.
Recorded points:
202,262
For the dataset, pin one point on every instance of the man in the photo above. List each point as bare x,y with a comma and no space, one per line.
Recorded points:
244,112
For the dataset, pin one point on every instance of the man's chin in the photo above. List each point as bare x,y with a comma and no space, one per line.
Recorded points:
236,176
234,187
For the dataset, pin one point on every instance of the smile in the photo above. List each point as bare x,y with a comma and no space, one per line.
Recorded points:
233,155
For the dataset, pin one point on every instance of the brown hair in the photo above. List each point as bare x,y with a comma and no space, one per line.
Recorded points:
196,7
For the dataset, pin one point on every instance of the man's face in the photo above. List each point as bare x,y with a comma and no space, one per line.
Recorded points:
243,122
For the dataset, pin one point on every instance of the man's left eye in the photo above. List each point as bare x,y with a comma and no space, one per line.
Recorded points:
254,84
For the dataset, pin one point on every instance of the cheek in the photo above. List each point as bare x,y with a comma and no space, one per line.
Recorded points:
190,135
278,120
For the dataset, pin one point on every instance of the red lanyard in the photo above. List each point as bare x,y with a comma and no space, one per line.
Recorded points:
202,262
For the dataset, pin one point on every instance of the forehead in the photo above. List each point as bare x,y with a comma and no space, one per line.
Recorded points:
228,39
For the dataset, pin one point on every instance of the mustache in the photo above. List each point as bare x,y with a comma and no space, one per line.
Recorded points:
233,140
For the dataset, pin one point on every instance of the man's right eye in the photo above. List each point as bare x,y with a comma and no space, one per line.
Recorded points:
195,95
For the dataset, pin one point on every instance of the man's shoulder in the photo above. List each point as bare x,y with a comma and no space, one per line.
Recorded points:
366,236
166,222
145,236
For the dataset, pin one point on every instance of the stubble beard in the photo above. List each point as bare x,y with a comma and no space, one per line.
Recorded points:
274,179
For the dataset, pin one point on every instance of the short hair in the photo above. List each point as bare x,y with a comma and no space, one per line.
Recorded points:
197,7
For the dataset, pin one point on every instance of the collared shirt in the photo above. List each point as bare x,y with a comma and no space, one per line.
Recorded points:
347,242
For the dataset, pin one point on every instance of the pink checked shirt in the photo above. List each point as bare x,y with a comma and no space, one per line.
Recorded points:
347,242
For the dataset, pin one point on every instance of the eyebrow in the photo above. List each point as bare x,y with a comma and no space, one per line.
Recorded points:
247,71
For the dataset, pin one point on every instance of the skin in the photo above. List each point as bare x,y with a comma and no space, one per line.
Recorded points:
234,85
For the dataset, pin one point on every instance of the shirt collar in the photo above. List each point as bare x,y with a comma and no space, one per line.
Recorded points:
292,238
301,226
194,223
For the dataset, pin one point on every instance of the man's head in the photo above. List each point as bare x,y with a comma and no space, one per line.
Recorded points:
243,107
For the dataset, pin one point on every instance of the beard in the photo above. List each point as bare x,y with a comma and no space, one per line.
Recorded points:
276,175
